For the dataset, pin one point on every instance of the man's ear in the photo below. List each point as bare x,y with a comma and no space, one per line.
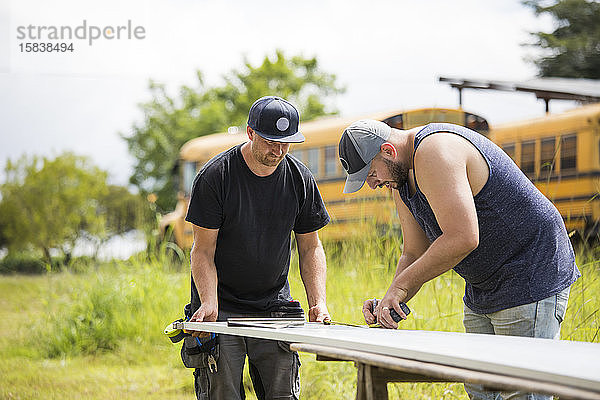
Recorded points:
389,150
250,133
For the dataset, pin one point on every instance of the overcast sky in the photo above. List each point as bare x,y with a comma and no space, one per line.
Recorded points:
388,54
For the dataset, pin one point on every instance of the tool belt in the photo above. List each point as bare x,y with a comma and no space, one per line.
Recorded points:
200,352
196,352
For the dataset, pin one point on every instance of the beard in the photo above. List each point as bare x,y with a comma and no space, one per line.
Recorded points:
399,172
267,159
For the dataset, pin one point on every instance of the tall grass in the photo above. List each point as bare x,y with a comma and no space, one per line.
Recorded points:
115,314
122,301
582,321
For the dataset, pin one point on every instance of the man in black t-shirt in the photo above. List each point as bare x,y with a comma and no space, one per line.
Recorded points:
244,206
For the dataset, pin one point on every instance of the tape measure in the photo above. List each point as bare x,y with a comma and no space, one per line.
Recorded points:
174,334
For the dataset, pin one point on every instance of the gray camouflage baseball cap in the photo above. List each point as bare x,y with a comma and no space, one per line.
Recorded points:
359,144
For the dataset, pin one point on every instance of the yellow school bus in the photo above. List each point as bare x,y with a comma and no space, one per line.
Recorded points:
350,213
561,154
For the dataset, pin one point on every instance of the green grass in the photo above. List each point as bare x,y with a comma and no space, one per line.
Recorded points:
98,334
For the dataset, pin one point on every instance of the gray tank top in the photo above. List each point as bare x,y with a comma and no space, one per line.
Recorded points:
524,253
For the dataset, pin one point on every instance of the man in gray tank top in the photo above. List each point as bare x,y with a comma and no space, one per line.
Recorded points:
464,204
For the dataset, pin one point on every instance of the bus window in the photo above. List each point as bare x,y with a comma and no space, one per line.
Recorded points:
510,149
547,157
395,121
189,173
568,153
299,154
426,116
331,161
528,157
313,161
476,123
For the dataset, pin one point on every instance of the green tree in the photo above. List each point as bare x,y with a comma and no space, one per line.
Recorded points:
170,122
49,204
572,50
3,238
123,211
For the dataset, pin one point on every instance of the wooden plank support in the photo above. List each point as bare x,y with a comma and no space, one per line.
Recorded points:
370,385
375,370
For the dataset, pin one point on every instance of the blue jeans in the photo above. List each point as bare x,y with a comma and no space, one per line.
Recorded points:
541,319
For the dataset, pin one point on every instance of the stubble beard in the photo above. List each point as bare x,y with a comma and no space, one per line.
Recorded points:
267,159
399,172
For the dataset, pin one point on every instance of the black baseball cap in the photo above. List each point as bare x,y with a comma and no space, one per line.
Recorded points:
275,119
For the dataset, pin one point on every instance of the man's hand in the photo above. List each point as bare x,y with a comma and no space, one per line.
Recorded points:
368,312
392,299
318,313
206,313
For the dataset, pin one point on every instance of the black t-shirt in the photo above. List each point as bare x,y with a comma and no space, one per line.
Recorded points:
255,217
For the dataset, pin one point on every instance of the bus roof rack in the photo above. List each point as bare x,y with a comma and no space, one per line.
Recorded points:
582,90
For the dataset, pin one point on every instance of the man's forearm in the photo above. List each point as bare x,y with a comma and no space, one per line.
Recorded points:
404,262
443,254
205,276
313,270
